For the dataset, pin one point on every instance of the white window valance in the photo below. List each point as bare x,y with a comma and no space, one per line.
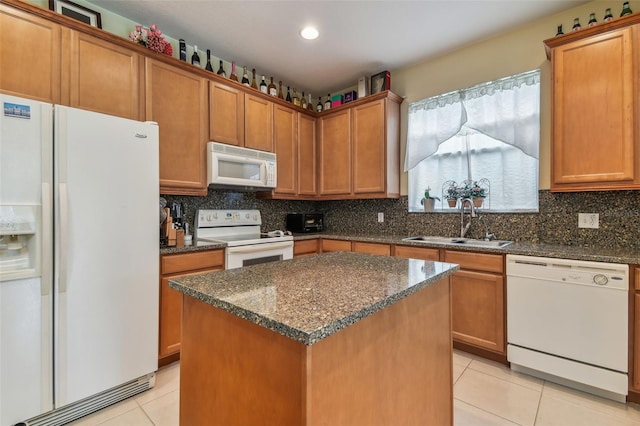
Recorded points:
507,110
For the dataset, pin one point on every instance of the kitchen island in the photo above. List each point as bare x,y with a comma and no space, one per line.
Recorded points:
337,338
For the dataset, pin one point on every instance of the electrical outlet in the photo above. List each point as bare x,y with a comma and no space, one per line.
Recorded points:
380,217
588,220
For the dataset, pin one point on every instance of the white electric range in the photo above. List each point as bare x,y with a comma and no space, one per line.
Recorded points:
240,230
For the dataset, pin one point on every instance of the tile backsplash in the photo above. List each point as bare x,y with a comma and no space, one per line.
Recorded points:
555,223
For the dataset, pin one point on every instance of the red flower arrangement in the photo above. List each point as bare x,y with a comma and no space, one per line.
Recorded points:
151,38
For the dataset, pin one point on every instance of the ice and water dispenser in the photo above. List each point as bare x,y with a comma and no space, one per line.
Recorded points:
19,242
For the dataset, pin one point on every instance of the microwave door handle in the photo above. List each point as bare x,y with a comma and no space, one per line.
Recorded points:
258,247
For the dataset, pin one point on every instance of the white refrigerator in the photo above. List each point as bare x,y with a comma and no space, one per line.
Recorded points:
78,260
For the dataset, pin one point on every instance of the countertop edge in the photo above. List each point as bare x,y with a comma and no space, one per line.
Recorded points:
323,332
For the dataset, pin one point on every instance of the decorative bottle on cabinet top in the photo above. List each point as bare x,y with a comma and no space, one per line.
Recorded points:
626,10
233,75
253,82
608,16
208,67
576,25
271,89
263,85
221,70
592,20
245,77
195,59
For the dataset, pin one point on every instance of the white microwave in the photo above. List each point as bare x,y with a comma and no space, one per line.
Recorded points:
234,167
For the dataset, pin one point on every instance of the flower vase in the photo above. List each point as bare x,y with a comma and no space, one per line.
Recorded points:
429,204
477,201
452,202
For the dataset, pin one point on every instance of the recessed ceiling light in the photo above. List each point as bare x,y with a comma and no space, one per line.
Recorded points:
309,33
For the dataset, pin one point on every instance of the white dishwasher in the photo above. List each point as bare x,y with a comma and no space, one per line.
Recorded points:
567,322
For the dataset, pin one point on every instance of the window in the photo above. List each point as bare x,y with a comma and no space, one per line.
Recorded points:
488,133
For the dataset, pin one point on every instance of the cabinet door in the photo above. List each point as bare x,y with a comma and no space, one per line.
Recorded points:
258,123
226,114
284,138
593,112
102,77
305,248
636,343
417,253
335,153
368,139
477,301
30,52
177,101
306,155
372,248
171,315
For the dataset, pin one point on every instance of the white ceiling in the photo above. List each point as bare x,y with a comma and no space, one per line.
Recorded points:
356,37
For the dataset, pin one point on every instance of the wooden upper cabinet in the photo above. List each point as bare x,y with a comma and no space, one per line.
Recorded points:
100,76
226,114
29,55
368,139
284,137
306,155
359,149
594,96
177,100
258,123
335,153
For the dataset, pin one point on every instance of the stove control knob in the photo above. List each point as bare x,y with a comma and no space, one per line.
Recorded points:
255,216
215,215
247,215
209,218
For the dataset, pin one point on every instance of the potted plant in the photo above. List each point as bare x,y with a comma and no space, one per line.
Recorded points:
428,201
477,193
452,195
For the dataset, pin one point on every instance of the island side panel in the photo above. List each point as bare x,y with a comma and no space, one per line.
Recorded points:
234,372
392,368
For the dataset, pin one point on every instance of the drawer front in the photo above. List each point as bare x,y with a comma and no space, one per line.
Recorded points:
174,263
372,248
418,253
637,280
476,261
335,245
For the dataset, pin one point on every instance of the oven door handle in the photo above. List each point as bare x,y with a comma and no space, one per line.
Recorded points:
259,247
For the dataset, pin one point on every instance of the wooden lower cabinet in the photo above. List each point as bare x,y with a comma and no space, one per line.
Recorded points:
174,266
418,253
303,248
335,245
371,248
478,303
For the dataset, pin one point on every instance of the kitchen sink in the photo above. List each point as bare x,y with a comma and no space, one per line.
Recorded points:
458,241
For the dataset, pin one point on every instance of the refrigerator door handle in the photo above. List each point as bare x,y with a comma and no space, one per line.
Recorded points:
47,281
141,135
62,239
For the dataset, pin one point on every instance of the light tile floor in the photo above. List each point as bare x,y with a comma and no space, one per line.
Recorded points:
485,393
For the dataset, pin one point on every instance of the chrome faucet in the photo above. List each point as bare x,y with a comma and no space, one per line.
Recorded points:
472,213
488,235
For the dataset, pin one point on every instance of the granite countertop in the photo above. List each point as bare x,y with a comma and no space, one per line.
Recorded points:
594,254
310,298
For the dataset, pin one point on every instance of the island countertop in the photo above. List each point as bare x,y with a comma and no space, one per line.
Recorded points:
307,299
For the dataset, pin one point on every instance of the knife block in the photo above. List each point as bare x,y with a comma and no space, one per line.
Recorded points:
168,231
